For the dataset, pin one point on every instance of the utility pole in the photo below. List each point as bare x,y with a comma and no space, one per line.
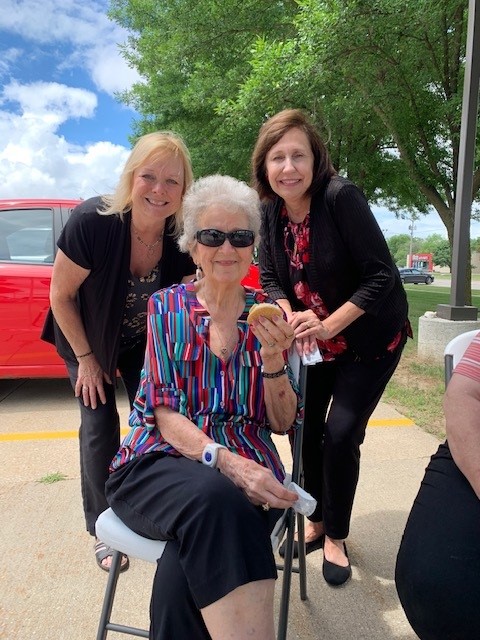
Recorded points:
411,227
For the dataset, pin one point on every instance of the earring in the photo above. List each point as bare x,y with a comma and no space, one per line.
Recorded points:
199,272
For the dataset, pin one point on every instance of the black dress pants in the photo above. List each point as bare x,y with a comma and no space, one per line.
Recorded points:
437,572
340,398
218,540
99,433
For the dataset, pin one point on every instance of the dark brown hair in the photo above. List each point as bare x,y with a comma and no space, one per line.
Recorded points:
270,133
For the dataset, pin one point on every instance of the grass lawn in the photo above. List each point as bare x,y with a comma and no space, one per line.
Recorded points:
417,386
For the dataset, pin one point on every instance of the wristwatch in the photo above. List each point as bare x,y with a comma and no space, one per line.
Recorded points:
210,454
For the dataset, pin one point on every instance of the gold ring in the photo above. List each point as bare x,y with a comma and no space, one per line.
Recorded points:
266,506
84,388
272,344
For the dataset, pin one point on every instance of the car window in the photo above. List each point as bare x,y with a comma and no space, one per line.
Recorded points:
26,235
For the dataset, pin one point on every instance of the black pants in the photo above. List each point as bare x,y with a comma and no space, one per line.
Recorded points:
99,433
218,540
340,398
438,564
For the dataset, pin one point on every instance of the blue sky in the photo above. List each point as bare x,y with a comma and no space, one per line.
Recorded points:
62,131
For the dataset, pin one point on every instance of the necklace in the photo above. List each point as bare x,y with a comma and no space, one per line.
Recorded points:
225,351
150,247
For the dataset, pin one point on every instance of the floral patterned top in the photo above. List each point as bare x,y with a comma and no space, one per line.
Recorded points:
297,242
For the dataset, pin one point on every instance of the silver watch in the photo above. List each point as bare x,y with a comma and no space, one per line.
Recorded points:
210,454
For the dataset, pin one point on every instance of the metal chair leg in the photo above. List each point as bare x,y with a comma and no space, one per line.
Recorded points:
302,557
109,595
287,577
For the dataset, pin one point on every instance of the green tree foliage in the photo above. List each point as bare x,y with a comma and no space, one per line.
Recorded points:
399,246
440,248
382,79
193,55
435,244
442,255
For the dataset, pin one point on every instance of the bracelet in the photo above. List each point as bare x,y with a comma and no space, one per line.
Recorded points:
84,355
277,374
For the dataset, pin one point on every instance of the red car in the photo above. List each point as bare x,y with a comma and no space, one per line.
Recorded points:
29,231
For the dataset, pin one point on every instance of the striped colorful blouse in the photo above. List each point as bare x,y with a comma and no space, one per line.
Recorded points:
224,399
469,364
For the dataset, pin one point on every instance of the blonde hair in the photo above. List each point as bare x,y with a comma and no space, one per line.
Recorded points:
150,146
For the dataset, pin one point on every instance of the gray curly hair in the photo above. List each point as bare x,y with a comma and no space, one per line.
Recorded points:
234,194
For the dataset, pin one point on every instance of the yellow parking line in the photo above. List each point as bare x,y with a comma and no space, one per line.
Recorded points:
59,435
390,422
42,435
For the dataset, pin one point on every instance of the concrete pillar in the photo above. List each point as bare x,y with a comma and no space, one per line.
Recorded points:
435,333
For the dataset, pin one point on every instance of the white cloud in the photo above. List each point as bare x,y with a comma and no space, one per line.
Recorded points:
50,100
35,159
84,26
109,71
37,162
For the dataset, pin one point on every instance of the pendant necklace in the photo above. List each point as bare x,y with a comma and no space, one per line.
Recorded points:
224,350
150,247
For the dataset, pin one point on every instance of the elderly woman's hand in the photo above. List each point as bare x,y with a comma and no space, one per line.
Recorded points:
275,335
258,483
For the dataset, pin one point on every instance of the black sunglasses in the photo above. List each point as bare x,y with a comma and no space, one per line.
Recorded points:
215,238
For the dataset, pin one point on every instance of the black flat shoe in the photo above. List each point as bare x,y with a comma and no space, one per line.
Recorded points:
334,574
313,545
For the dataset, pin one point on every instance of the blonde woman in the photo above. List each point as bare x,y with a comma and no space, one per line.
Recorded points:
114,252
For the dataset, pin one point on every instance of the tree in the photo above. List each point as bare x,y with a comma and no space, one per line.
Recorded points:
389,95
192,56
383,80
439,247
442,255
399,246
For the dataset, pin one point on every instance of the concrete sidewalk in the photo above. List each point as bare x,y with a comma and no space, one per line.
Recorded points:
51,588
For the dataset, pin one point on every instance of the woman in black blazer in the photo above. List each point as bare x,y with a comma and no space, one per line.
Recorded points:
324,259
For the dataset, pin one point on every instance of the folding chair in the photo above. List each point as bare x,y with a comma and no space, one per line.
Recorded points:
454,351
114,533
286,524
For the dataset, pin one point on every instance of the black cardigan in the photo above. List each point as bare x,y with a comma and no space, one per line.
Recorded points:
102,244
349,261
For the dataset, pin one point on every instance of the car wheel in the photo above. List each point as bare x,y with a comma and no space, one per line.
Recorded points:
428,280
402,280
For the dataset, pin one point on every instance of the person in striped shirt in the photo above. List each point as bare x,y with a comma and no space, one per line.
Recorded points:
213,390
438,564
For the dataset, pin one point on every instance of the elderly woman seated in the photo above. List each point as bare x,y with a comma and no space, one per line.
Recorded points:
212,391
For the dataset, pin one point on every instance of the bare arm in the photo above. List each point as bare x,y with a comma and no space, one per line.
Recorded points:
461,405
67,277
280,399
258,483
